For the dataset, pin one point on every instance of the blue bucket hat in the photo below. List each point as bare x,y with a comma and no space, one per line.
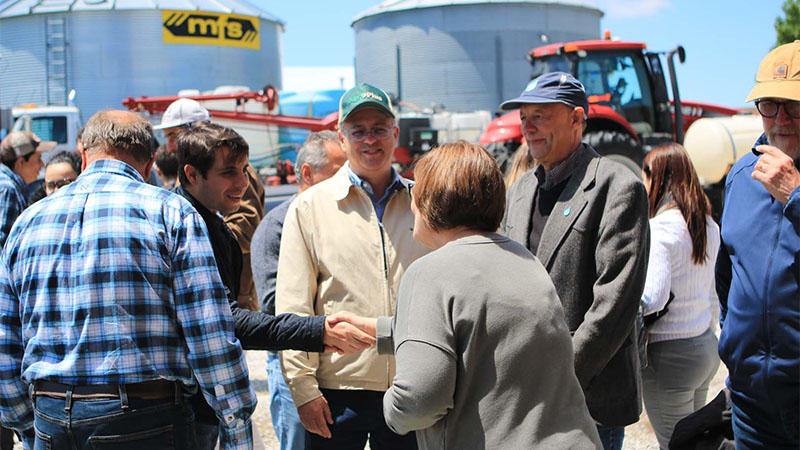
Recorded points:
553,87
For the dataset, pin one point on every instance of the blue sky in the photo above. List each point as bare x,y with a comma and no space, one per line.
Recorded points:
724,40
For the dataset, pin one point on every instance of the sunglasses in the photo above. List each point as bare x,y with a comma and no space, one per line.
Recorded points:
57,184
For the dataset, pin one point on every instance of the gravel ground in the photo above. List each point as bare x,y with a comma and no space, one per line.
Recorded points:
638,436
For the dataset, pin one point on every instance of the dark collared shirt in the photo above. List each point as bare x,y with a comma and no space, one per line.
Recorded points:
113,281
551,185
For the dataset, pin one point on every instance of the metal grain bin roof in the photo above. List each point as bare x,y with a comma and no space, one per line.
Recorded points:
14,8
403,5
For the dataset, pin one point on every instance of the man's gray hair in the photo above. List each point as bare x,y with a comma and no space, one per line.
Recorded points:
120,133
313,151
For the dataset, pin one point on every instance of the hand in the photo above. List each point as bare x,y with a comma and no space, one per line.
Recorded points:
776,171
365,324
345,338
315,417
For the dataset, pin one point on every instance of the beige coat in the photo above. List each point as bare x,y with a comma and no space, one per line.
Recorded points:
336,257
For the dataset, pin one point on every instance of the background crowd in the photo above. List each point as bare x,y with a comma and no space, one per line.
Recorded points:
459,310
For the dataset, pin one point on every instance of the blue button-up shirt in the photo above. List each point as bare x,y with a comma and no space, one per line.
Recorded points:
378,203
12,200
111,280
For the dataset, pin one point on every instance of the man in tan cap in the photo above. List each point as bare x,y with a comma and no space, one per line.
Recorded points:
758,270
21,153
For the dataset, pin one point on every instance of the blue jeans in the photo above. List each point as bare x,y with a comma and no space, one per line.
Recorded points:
129,424
357,417
611,437
285,421
207,435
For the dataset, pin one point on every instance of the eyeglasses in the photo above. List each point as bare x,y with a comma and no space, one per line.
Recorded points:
769,108
360,134
58,184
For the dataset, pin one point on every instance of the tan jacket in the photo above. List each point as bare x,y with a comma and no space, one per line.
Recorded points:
243,224
335,257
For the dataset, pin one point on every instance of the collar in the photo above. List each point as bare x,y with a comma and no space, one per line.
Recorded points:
345,178
559,173
209,217
114,166
18,181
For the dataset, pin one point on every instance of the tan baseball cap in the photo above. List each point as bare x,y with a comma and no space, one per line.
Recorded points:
779,74
22,143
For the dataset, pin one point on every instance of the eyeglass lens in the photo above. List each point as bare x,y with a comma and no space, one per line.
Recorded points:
768,108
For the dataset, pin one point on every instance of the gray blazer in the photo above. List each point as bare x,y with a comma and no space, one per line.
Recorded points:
595,247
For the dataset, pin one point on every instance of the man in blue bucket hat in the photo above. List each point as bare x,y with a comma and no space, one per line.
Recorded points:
585,218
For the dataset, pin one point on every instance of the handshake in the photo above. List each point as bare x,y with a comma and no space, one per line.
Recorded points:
346,332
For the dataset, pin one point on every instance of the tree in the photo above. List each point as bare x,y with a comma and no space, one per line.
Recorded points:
788,29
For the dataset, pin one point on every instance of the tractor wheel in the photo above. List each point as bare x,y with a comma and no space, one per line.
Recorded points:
617,146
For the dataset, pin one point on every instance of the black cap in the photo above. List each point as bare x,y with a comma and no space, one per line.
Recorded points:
553,87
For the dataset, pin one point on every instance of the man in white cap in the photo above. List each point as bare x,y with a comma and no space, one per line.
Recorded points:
21,153
180,113
242,222
758,269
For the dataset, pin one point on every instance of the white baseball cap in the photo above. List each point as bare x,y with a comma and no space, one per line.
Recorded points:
182,111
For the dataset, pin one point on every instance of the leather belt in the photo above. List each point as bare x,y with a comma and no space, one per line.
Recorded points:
148,390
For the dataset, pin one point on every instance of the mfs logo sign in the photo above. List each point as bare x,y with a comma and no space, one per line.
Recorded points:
207,28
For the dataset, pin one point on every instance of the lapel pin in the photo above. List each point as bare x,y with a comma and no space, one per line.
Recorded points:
566,212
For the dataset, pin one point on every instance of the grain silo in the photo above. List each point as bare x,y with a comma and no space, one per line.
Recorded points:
111,49
463,54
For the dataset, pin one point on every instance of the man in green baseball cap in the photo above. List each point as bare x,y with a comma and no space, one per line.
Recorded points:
351,236
364,96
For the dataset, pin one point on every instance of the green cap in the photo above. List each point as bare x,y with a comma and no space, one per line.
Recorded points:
363,96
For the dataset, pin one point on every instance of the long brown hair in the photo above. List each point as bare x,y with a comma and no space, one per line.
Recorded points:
671,172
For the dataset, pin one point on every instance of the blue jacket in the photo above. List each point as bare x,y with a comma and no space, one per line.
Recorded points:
758,273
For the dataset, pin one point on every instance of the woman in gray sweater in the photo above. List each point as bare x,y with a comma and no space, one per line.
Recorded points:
484,356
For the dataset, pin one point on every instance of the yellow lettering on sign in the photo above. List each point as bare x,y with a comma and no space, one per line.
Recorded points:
208,28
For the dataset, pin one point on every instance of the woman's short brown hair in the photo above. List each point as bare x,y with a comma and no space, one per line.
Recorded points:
459,185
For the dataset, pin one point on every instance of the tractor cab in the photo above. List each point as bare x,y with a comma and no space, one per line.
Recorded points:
625,85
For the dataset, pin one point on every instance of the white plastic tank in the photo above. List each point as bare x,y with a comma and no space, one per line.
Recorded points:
715,144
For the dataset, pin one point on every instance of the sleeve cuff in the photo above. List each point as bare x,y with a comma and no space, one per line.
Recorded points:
384,335
239,437
317,326
792,208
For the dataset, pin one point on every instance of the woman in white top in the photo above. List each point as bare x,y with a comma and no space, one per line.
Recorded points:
684,241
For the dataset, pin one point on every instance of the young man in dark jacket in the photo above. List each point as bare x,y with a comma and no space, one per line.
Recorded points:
213,163
758,269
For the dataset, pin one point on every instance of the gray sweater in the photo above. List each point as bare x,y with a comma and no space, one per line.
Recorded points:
484,356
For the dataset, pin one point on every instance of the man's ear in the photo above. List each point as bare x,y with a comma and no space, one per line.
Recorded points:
192,174
578,113
306,173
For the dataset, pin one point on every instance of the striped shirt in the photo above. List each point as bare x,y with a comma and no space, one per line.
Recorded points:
111,280
12,200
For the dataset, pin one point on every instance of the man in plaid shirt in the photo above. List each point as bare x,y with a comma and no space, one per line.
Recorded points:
112,309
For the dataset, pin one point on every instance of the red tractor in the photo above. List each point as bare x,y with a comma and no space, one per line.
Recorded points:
630,111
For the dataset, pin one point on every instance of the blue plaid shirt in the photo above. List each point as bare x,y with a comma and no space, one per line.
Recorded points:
12,200
111,280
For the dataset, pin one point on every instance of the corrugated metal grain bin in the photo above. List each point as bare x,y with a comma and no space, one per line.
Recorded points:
108,50
466,55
